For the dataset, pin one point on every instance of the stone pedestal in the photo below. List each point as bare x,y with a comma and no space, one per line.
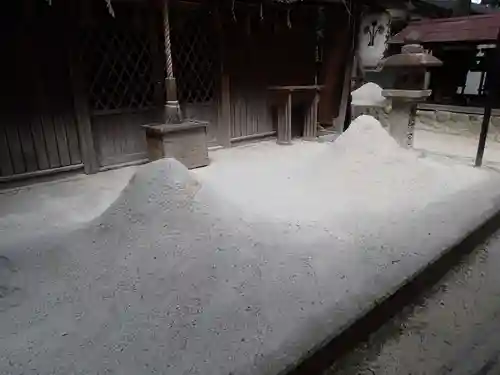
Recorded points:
185,142
402,117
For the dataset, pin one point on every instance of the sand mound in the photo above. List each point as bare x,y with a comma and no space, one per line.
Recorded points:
366,135
325,185
368,94
156,188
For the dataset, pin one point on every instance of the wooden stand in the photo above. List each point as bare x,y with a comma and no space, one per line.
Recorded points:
185,142
283,102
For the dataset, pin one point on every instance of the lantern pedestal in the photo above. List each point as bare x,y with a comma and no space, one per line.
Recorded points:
402,117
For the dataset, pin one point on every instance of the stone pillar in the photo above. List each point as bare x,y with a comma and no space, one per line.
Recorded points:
403,114
402,122
172,108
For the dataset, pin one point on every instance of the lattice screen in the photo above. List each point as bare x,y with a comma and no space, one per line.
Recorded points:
119,64
194,54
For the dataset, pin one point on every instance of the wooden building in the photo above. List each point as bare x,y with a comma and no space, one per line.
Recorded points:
466,47
80,77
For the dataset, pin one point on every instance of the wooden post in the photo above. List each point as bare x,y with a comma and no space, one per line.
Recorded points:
224,130
172,108
354,21
490,101
310,123
338,122
80,95
285,120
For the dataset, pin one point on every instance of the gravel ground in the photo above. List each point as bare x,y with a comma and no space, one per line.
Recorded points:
452,147
61,205
452,329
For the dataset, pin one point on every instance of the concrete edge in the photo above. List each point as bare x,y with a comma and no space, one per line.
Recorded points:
326,354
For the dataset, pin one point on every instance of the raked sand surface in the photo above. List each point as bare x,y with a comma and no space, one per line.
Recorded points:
243,267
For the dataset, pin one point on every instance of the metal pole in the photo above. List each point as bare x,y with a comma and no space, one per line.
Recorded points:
490,102
172,108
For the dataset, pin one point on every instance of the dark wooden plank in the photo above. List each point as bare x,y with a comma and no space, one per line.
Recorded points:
243,115
236,121
6,168
27,144
39,143
16,151
50,141
254,114
249,112
113,138
101,126
125,135
288,124
233,116
132,133
244,120
241,118
265,120
61,138
72,134
225,121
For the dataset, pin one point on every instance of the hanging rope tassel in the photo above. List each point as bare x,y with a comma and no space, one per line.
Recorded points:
288,21
110,8
233,11
261,12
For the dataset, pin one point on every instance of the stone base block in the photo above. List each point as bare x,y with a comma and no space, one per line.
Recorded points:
185,142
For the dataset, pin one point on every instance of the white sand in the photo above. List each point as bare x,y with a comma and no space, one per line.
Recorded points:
368,94
270,254
363,171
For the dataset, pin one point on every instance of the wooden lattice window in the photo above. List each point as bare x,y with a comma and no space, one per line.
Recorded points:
120,71
194,53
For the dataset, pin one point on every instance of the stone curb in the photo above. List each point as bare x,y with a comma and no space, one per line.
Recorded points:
387,307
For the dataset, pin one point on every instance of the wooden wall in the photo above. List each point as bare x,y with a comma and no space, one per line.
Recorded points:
336,53
38,130
122,69
264,47
119,138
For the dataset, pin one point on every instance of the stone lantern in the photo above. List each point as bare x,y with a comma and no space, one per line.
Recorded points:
410,68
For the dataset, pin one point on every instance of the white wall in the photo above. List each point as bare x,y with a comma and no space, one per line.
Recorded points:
373,36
